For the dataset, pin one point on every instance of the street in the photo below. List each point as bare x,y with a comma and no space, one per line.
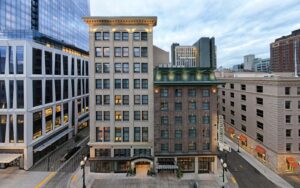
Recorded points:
245,174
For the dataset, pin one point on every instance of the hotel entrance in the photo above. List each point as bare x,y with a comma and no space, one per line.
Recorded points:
141,168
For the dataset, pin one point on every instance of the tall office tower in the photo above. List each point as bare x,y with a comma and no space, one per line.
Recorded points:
207,57
185,111
249,62
283,53
173,46
121,91
43,77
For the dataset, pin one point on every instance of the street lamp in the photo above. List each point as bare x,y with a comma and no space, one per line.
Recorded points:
238,142
82,165
224,166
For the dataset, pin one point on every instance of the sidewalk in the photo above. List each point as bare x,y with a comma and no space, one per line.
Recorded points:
229,180
76,179
268,173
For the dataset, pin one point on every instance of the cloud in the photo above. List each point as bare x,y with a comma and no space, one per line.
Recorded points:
240,27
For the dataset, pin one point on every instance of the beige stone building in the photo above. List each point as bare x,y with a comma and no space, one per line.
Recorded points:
121,92
263,115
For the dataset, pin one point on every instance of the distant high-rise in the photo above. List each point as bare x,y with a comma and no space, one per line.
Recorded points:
283,53
43,77
249,62
201,54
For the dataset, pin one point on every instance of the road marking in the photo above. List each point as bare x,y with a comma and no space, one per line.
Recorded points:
233,180
44,181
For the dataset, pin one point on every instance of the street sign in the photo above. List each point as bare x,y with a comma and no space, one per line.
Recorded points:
221,129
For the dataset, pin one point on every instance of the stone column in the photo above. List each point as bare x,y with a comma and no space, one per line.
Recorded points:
196,165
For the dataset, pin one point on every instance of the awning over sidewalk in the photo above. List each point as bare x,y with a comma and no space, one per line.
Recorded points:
167,167
260,149
9,157
243,138
52,140
231,130
292,162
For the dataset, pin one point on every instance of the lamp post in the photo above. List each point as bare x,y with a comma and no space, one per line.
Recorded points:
224,166
238,142
82,165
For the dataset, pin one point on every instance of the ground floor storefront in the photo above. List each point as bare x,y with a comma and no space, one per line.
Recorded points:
191,164
281,163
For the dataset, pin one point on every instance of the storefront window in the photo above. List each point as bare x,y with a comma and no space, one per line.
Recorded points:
186,164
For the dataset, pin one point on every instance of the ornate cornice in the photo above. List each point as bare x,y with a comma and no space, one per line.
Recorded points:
138,20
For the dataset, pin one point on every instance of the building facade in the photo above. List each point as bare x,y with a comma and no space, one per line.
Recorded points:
185,56
263,116
283,53
262,65
249,62
121,91
185,110
43,79
33,19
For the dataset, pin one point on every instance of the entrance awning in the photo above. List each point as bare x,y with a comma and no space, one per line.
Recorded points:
292,162
167,167
8,157
231,130
260,150
52,140
243,138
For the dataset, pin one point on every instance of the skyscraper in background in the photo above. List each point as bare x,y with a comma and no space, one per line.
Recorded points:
43,77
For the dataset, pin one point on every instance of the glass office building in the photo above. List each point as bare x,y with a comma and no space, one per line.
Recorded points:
57,20
44,99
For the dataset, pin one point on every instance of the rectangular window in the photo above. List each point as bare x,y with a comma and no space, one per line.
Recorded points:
287,105
288,119
145,99
136,52
144,36
164,120
206,119
178,92
11,93
164,106
244,128
106,134
288,132
98,83
137,99
136,36
205,93
259,137
125,99
105,35
106,68
125,67
205,105
118,51
144,67
259,113
192,105
144,83
192,133
144,115
243,97
117,35
178,106
243,107
125,36
20,128
98,67
244,118
99,134
145,134
288,147
232,103
36,61
125,52
48,63
98,115
287,90
125,134
118,84
298,90
178,120
164,134
36,92
106,51
106,116
178,147
125,83
106,99
259,101
144,51
3,60
118,115
232,95
137,83
164,92
259,89
98,52
137,134
118,67
20,60
106,84
20,94
37,125
137,115
192,92
243,87
231,86
118,100
164,147
136,67
192,119
98,36
232,121
125,115
178,134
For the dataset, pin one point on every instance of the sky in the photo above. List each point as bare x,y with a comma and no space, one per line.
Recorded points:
240,27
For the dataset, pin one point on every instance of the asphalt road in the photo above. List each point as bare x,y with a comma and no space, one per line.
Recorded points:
245,174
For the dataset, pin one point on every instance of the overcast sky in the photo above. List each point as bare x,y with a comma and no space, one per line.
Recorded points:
240,27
